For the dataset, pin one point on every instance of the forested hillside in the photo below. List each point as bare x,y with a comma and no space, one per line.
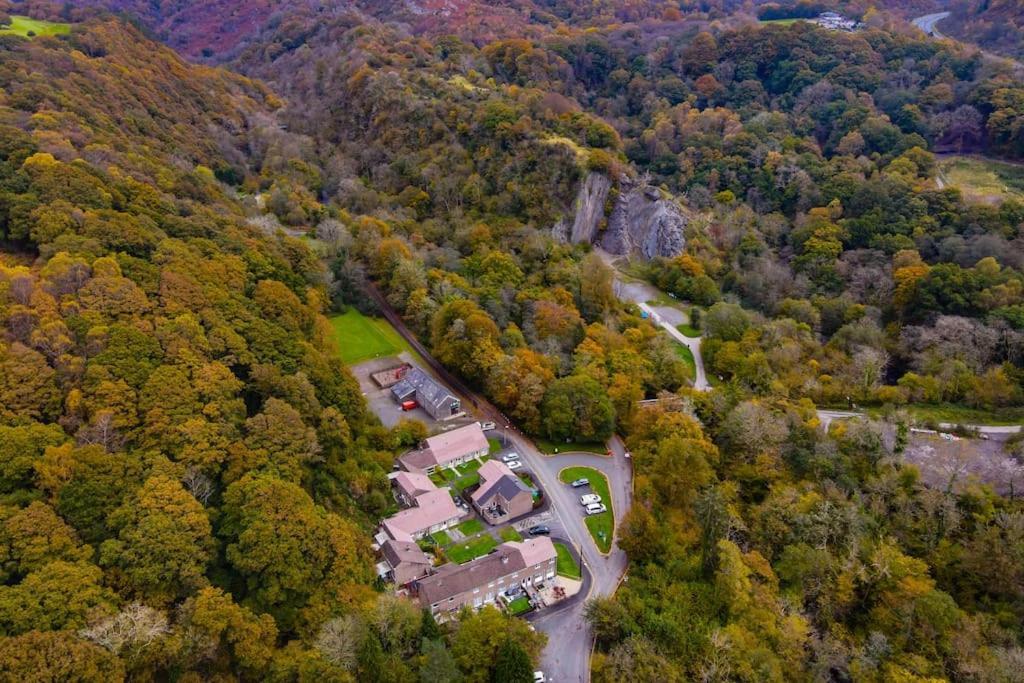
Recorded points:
189,474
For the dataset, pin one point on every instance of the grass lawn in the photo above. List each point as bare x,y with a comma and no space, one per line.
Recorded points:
983,180
478,547
495,445
441,538
520,605
471,526
360,338
567,564
780,22
509,533
549,447
603,525
687,355
438,478
22,26
468,475
688,330
948,412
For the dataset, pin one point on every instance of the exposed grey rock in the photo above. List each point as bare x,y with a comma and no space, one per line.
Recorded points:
588,210
644,222
589,207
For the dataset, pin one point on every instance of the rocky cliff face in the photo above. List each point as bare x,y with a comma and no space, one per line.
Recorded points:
643,222
588,210
646,223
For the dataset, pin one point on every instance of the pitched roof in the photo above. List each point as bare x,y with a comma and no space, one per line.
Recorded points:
446,447
413,484
403,552
496,478
453,579
427,390
432,507
458,442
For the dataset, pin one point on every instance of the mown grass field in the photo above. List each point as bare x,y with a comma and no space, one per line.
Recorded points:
601,526
567,565
955,414
359,337
983,180
27,27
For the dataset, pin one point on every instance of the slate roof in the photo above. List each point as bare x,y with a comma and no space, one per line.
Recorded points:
403,552
433,507
454,579
427,391
497,479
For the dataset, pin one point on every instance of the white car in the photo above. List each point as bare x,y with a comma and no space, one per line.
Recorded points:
589,499
515,465
538,677
487,426
509,457
596,509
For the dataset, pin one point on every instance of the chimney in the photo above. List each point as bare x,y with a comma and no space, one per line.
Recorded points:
504,559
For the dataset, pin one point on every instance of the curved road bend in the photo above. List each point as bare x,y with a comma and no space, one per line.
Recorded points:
927,23
567,656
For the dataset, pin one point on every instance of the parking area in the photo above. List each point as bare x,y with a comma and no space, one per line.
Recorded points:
384,405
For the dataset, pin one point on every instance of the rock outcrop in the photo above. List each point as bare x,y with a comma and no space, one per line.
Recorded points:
644,222
588,210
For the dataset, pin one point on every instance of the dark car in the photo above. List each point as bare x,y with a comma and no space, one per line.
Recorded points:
539,530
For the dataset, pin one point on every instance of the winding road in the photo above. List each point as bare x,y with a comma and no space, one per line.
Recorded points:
570,640
928,21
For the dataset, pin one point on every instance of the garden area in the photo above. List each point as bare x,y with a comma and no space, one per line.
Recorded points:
553,447
601,526
520,605
463,552
509,533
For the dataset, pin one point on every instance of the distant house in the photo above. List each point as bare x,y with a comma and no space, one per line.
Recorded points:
502,495
447,449
403,562
431,511
479,582
432,396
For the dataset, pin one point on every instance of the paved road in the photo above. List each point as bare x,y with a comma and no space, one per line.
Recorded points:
928,21
567,655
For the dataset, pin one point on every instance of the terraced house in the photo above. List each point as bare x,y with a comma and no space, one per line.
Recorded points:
479,582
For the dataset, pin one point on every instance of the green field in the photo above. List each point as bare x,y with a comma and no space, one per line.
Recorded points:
567,564
441,538
478,547
24,26
600,526
955,414
360,338
688,331
509,533
780,22
983,180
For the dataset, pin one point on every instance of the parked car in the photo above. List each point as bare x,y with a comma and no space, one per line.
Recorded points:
539,530
596,509
509,457
487,426
580,482
589,499
409,405
514,465
628,456
538,677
